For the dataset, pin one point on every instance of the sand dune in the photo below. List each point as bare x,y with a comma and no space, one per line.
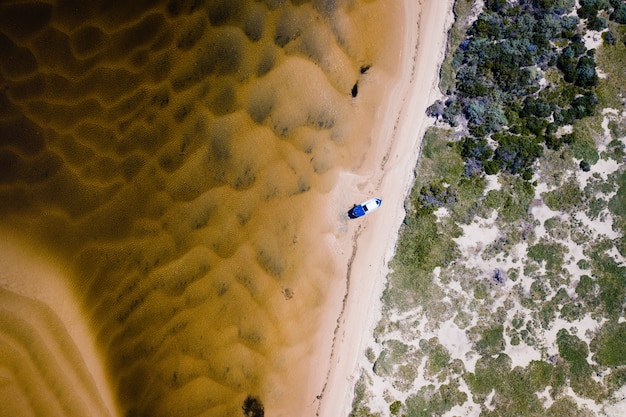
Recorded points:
174,162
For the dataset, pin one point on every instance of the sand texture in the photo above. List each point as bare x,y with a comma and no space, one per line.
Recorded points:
172,237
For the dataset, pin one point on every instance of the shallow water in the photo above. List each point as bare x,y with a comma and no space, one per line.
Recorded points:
174,159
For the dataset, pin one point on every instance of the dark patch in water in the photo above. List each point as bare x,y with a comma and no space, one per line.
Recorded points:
355,89
23,135
16,61
220,139
224,53
182,112
159,69
161,99
245,179
266,64
254,25
274,4
253,407
222,12
177,7
259,110
140,35
131,166
271,264
24,20
224,100
88,40
325,6
287,29
192,36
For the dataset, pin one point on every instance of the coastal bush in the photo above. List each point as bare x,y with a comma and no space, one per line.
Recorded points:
468,204
395,407
616,147
430,401
507,50
611,345
556,228
489,372
575,352
611,280
512,200
461,10
572,311
619,12
616,379
566,198
382,365
491,341
617,203
566,406
359,402
437,357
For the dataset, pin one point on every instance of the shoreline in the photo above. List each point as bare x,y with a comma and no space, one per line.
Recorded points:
384,173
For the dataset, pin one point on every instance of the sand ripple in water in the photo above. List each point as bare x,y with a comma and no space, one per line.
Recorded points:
171,159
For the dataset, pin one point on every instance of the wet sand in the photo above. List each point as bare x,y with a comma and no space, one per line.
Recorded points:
173,195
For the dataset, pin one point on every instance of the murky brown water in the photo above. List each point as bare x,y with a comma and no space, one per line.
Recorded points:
170,156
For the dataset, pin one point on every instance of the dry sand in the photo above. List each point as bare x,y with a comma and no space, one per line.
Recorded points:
387,173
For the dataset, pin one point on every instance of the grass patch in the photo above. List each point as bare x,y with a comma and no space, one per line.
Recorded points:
421,248
439,161
611,58
489,373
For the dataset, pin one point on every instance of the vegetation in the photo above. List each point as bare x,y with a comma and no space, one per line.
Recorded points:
499,68
517,149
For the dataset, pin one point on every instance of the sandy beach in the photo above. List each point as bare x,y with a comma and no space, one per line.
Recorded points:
400,124
159,165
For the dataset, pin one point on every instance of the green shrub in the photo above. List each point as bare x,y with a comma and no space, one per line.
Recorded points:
575,352
612,346
492,341
565,198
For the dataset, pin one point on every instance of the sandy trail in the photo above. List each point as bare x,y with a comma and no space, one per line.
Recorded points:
387,173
